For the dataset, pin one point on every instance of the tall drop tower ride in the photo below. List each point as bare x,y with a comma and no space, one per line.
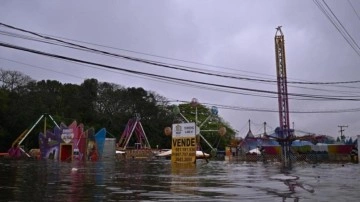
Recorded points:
285,135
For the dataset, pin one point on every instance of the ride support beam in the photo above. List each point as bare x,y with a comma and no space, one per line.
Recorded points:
285,133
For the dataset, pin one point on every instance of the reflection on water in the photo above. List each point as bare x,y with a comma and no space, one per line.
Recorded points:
153,180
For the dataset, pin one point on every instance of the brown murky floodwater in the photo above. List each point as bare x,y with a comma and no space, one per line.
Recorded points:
157,180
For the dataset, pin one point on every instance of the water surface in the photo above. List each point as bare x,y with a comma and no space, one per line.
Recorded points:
158,180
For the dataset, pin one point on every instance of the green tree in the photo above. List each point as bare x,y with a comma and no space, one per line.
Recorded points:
12,80
95,104
111,107
70,102
88,98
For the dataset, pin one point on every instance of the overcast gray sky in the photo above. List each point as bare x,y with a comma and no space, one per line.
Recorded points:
231,37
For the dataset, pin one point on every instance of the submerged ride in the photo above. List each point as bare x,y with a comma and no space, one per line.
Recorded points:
64,143
310,148
134,131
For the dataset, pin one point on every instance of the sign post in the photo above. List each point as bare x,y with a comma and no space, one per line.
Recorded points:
183,147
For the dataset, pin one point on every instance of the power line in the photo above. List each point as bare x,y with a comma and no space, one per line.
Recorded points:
263,80
172,81
263,110
164,80
356,13
43,68
238,108
319,97
138,52
326,10
171,66
151,62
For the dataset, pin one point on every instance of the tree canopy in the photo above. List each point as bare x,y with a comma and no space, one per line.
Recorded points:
95,104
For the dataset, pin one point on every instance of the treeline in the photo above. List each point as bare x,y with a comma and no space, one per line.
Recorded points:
95,104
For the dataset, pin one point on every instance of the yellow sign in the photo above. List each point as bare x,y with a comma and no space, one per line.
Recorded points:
183,147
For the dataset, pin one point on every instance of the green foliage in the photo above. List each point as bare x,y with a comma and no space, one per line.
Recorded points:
95,104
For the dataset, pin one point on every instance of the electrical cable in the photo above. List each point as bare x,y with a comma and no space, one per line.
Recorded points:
326,10
161,64
320,97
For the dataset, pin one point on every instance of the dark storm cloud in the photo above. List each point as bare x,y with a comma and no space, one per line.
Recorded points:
235,36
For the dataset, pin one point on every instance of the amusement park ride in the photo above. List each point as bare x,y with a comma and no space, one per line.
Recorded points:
214,111
16,145
62,142
134,127
142,148
286,136
199,153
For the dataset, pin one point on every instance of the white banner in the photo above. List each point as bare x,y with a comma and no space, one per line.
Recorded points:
183,130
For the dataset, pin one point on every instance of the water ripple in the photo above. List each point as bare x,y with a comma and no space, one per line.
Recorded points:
153,180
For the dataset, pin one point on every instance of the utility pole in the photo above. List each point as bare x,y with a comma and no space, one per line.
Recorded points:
342,136
265,134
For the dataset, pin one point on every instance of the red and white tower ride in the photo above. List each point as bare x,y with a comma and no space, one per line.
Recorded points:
285,135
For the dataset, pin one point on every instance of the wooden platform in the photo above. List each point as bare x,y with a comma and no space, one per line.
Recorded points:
4,155
135,154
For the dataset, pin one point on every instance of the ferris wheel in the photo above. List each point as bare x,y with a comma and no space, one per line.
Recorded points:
199,124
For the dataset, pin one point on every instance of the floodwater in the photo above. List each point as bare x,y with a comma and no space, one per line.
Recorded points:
158,180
